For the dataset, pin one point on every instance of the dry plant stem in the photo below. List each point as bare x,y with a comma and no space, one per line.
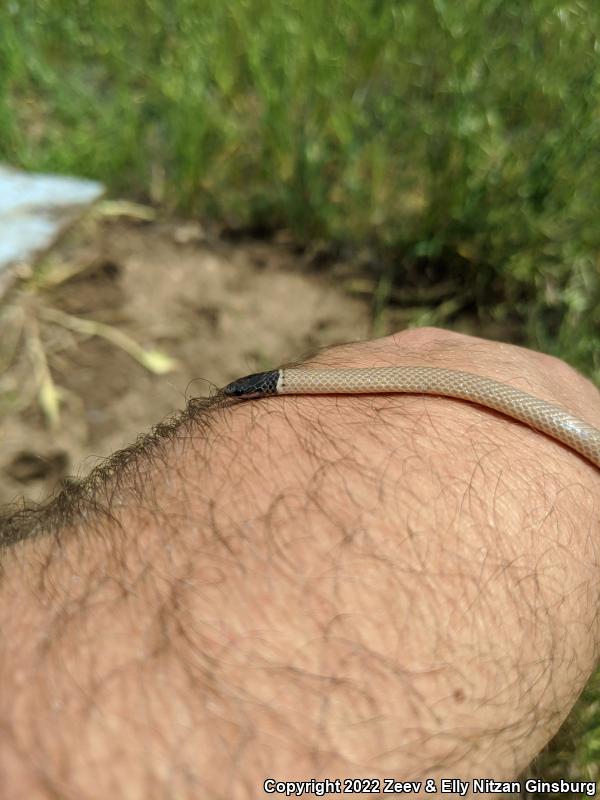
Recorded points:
152,360
48,395
11,331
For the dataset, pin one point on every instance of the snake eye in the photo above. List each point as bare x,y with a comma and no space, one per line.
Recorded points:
233,391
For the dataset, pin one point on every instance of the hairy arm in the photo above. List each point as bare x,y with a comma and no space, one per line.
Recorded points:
309,587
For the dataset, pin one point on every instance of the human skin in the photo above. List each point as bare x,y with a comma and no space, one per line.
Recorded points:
309,587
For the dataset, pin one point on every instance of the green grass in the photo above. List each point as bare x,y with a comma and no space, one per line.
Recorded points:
431,130
459,135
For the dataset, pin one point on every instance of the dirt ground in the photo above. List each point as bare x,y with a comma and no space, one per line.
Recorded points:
222,306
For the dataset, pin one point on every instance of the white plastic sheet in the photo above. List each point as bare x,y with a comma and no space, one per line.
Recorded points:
34,210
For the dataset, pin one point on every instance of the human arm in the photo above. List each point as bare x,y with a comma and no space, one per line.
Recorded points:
305,587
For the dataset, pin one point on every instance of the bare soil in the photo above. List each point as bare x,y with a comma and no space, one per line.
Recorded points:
222,305
222,308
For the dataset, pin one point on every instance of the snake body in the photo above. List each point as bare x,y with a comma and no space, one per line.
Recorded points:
538,414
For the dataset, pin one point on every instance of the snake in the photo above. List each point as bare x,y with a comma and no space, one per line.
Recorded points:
538,414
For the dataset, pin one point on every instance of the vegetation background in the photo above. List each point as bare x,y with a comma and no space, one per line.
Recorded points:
460,140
